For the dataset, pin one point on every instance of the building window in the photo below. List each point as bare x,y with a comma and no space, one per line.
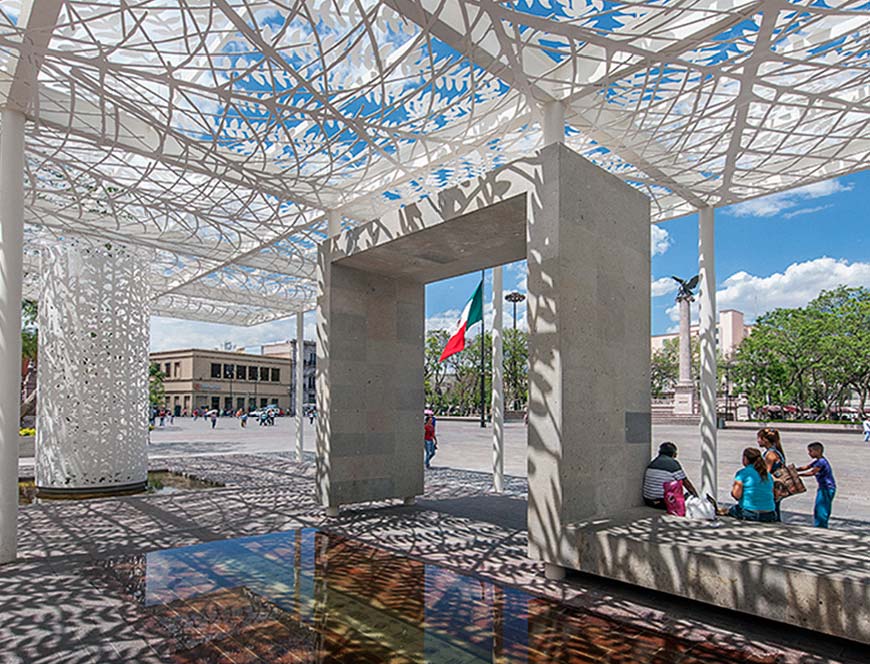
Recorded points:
229,370
264,403
276,375
264,374
215,402
241,373
176,370
228,403
215,370
166,368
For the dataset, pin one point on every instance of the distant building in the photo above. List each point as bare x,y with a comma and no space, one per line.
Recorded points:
730,333
223,380
287,349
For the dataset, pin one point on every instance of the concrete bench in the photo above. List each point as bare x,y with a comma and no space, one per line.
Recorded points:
809,577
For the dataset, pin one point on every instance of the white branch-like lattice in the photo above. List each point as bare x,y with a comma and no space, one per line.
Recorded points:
221,134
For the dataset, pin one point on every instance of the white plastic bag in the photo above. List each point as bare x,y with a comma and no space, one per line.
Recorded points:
697,508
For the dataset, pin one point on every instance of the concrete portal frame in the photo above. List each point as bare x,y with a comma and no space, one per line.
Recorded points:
585,234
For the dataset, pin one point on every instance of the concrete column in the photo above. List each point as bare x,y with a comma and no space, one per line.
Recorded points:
588,313
370,398
707,338
300,380
334,220
92,422
553,122
11,274
497,380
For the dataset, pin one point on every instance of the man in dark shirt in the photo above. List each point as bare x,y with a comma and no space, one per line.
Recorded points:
664,468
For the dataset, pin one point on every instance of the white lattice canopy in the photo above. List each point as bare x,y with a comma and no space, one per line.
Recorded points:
221,134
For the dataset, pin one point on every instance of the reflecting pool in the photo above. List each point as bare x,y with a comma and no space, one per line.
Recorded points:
309,596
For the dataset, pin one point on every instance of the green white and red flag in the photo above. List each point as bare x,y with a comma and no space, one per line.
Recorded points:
471,314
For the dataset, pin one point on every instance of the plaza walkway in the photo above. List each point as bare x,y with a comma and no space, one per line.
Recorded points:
86,569
79,590
464,445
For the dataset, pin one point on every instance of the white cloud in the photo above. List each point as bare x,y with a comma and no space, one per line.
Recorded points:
660,241
772,205
172,333
663,286
797,285
811,210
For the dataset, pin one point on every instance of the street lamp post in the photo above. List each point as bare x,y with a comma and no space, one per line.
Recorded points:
513,298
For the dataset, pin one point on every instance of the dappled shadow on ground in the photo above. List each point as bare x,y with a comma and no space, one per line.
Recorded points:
273,493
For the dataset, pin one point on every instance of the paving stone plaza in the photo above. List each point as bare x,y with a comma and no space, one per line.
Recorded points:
250,161
74,598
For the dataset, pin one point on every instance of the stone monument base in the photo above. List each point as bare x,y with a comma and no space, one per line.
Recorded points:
684,400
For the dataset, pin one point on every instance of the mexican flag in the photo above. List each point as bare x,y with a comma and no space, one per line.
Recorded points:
473,313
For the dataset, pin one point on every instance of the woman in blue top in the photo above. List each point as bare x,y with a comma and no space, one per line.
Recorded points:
753,489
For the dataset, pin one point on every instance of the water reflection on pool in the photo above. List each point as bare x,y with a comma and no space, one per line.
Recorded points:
309,596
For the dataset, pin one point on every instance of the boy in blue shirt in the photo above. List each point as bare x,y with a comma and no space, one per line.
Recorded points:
827,485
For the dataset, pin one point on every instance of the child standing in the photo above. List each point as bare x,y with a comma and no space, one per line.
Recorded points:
825,478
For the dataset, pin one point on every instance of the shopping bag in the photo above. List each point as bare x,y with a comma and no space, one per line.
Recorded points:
698,508
675,502
787,482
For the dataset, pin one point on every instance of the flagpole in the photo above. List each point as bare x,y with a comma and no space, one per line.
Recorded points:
482,356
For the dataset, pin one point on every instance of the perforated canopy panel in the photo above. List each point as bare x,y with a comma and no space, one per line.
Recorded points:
219,134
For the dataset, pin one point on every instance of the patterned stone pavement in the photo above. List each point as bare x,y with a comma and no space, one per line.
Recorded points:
69,598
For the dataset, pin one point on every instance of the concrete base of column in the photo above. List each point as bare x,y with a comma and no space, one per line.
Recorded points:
554,572
409,500
684,400
332,512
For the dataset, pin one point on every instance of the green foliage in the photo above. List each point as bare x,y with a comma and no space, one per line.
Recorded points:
156,391
29,332
454,385
665,368
813,357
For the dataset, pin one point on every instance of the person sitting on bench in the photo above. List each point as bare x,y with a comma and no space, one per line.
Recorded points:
753,489
664,468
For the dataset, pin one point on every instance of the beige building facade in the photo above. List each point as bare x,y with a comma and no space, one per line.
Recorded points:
730,333
223,380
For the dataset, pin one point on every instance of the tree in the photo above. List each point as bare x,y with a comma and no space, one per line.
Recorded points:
516,368
29,349
156,391
665,368
812,357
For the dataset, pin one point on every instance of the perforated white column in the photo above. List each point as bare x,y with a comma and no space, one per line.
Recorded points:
92,424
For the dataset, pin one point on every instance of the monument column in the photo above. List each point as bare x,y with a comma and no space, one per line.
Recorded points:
92,423
11,275
684,391
707,337
497,380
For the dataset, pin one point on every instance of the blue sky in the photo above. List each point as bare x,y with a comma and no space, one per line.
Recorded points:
777,251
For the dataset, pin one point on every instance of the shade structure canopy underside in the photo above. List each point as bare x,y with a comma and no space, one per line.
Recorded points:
219,136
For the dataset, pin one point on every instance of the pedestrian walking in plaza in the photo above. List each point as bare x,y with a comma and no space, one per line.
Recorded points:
866,425
827,489
213,416
774,457
430,442
312,414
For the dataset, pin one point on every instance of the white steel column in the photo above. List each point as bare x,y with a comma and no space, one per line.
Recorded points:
300,378
497,380
11,269
334,221
707,335
553,123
